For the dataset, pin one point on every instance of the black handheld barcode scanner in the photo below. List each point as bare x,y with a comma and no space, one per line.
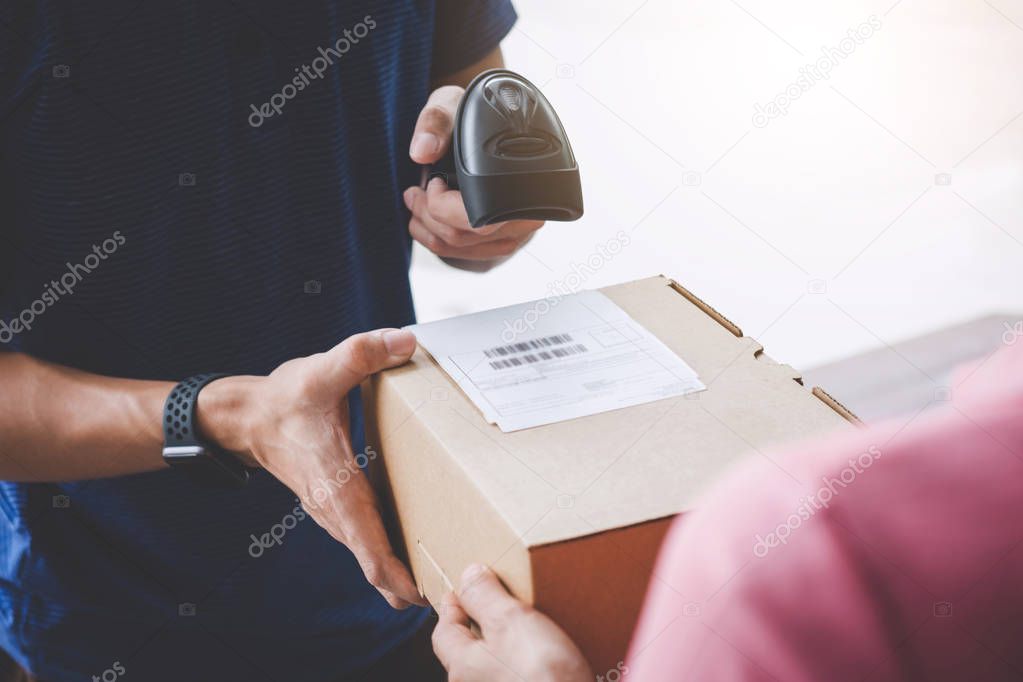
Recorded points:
510,156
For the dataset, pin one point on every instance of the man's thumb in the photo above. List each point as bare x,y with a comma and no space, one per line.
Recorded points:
433,129
361,355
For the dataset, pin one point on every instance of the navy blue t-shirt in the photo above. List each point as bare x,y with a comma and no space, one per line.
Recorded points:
189,187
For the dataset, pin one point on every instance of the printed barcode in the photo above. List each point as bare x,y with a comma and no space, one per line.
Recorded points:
530,358
532,344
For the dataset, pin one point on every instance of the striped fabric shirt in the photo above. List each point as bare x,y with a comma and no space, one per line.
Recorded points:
190,187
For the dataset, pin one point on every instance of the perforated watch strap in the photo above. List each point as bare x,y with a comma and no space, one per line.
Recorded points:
179,427
183,449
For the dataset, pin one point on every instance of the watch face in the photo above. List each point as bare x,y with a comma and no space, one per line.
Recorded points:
182,454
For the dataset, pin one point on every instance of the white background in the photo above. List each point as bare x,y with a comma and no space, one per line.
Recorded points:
658,98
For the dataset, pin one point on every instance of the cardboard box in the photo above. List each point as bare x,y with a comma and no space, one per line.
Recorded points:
571,515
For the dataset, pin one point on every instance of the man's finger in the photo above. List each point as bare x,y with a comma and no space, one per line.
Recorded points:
385,572
442,211
485,250
352,516
452,636
433,128
381,569
358,517
447,206
516,229
428,239
451,611
453,228
457,237
485,600
361,355
418,202
394,600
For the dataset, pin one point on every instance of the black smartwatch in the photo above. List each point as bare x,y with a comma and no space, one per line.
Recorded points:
203,462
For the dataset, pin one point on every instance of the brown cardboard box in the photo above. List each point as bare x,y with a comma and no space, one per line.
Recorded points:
570,515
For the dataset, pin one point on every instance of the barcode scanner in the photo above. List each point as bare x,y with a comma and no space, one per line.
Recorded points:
510,156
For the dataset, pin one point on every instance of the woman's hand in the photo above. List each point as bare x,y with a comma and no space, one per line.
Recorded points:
516,642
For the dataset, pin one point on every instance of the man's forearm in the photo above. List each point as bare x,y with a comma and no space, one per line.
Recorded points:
59,424
62,424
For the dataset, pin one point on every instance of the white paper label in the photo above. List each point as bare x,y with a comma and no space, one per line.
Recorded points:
542,362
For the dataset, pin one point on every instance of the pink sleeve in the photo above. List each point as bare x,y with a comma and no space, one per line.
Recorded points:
889,553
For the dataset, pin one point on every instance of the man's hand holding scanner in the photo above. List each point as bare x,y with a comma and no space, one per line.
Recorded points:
439,220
